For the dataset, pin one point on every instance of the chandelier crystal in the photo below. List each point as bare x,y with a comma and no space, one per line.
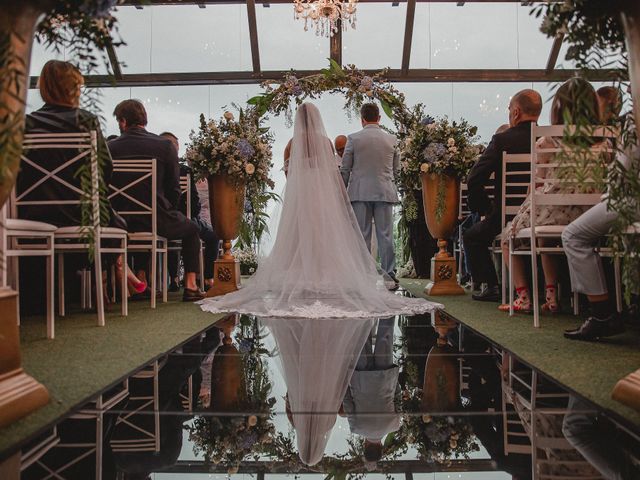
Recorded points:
326,16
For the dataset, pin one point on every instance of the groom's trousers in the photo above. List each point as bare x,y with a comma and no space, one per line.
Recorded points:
382,214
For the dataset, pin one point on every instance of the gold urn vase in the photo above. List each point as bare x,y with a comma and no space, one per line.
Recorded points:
226,374
226,201
440,198
441,388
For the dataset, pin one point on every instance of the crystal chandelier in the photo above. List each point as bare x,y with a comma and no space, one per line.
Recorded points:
326,15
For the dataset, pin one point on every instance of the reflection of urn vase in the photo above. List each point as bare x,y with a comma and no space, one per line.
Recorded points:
441,389
440,198
226,375
226,202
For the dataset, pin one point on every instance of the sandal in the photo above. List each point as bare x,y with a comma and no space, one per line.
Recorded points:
551,303
522,304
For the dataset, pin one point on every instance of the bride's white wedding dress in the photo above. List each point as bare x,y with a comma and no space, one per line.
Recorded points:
319,266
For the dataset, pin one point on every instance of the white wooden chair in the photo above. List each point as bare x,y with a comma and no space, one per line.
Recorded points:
133,194
83,147
39,239
516,177
542,177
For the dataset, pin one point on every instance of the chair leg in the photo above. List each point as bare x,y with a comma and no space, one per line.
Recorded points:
504,280
16,282
576,303
163,278
154,274
125,289
534,288
97,265
50,294
113,282
511,277
61,311
618,282
201,269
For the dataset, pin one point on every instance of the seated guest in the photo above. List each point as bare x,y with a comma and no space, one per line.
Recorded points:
60,87
579,240
135,141
575,99
524,109
609,105
207,235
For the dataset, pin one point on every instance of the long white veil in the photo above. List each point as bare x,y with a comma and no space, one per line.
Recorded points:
317,359
319,266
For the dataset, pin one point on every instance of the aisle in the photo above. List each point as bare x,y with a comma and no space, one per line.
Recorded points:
589,368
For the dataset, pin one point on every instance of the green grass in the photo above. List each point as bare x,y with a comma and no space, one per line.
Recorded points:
84,358
588,368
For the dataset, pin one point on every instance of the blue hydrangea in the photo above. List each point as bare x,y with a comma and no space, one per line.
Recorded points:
244,346
97,8
428,120
434,152
248,440
245,149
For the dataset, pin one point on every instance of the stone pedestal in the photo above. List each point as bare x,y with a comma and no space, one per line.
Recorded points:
20,394
443,274
226,277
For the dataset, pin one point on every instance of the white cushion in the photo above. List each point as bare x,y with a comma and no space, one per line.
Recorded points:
542,230
23,225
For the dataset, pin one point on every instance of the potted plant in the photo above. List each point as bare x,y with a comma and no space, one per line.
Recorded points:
234,156
438,154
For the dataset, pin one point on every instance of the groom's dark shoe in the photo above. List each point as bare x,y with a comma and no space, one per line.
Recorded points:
393,283
488,294
594,328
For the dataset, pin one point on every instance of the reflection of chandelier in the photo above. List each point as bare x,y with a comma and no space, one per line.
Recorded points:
327,15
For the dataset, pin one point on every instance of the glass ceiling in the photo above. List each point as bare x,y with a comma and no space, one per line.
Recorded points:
186,38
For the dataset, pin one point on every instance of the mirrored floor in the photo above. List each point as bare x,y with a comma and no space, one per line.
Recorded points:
408,397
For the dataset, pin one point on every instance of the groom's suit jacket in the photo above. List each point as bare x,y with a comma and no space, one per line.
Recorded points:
369,163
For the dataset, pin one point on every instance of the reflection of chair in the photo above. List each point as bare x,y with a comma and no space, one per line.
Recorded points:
186,396
133,195
24,238
138,429
73,239
80,437
536,406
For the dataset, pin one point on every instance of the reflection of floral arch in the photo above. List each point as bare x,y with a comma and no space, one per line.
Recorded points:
357,86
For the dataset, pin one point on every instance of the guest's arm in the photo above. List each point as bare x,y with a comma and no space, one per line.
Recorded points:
479,176
347,162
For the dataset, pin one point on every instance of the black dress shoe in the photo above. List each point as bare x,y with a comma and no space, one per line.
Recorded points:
192,295
137,297
488,294
594,328
174,287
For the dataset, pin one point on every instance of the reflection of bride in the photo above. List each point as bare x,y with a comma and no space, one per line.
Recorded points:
317,359
319,266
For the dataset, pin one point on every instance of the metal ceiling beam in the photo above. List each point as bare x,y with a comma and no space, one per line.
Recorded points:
113,60
408,35
396,75
335,44
253,35
227,2
555,51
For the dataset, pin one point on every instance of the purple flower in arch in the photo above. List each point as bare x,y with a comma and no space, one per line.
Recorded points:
245,150
248,440
428,120
296,90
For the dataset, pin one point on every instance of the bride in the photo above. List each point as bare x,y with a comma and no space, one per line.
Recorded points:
319,266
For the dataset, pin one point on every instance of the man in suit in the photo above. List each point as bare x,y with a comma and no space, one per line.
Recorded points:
340,142
369,164
135,141
524,110
372,398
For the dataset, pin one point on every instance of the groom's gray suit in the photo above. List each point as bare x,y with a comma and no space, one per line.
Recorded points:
369,164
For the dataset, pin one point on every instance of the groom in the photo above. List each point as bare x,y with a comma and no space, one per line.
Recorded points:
369,164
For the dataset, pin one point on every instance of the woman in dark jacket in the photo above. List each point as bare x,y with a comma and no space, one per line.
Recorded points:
60,85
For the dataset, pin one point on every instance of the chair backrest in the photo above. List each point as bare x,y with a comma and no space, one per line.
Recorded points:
546,186
463,204
133,194
185,189
516,177
50,180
